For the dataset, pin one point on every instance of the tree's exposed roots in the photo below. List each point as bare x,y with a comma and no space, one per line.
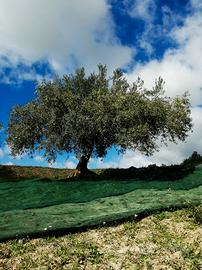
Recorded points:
76,173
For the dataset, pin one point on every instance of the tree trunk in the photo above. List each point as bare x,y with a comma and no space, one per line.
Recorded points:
81,168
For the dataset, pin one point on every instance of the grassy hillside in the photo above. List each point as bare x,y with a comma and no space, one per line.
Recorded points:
166,240
162,240
24,172
151,172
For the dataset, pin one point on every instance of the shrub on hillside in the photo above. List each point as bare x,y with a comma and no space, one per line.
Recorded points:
152,172
193,160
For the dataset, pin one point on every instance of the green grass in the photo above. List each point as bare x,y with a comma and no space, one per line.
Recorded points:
196,214
160,240
165,240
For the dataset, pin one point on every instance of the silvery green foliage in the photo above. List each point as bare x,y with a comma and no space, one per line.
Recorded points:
87,115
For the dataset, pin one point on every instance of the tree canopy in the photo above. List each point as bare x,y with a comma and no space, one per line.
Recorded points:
88,114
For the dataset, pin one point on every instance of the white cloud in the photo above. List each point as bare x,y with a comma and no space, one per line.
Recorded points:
174,153
180,68
155,32
67,34
100,163
131,158
53,165
196,4
143,9
70,164
4,151
39,158
1,153
7,151
8,163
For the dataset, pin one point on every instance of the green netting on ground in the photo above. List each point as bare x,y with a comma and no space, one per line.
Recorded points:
36,206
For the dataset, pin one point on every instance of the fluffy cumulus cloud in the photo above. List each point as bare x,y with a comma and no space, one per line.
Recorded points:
39,158
101,163
155,30
5,152
8,163
1,153
143,9
173,153
196,4
131,158
181,69
66,34
70,163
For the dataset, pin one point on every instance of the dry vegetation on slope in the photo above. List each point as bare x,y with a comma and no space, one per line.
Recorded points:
166,240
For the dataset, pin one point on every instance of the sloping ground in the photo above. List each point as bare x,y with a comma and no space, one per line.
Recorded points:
41,207
13,172
165,240
152,172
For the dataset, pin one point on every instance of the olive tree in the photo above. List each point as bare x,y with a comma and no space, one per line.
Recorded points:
86,115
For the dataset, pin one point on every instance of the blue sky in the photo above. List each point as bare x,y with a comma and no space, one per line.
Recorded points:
146,38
